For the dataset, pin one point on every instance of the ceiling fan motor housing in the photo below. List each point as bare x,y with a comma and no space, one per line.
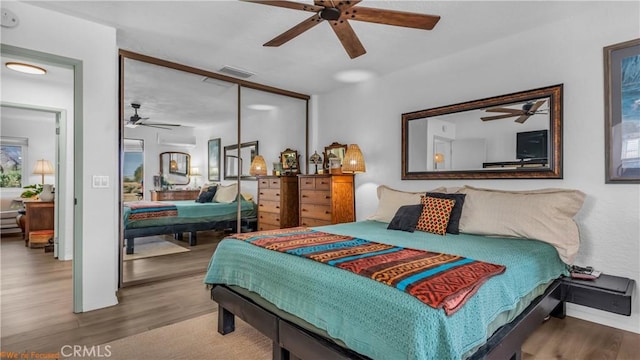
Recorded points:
330,14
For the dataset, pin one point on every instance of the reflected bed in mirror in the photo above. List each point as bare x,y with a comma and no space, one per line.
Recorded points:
514,136
174,166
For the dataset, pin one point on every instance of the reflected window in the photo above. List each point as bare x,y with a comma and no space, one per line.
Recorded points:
12,155
133,170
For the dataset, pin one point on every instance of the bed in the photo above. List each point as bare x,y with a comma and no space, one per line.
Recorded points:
178,217
311,310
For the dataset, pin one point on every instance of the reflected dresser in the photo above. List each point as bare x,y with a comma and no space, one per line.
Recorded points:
277,202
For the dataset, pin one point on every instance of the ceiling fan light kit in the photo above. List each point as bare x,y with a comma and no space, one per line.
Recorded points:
339,12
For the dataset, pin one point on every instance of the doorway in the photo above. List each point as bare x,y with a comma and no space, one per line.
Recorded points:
60,94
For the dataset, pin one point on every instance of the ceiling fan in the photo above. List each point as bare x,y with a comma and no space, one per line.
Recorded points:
338,12
135,120
528,109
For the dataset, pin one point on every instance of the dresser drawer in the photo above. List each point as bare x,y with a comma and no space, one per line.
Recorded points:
269,206
317,183
269,218
315,197
263,183
322,212
304,221
274,183
269,195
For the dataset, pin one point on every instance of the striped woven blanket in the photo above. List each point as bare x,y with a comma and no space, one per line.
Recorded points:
438,280
141,210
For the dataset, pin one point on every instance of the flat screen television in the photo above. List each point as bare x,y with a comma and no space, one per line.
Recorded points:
532,144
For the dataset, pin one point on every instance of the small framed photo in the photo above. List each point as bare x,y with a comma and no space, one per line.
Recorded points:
622,112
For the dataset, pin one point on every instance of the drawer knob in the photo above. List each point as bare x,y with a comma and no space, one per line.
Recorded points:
323,182
304,196
327,197
304,210
277,207
308,182
327,212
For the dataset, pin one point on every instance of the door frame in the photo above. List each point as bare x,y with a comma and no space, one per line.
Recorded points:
77,68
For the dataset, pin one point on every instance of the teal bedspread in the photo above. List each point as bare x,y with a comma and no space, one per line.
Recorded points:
377,320
190,212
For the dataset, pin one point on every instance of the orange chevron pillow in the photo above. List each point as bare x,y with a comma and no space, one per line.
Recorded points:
435,215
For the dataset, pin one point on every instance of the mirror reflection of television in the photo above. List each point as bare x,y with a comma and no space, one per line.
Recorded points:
531,145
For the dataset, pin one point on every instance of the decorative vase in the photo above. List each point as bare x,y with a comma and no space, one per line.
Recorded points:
47,192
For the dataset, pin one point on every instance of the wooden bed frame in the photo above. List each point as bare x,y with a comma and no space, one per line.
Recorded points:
247,223
293,342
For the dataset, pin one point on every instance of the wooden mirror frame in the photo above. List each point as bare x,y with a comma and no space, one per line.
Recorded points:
553,171
168,172
283,160
229,148
327,149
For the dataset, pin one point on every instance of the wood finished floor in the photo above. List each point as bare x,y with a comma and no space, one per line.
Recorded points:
36,313
173,265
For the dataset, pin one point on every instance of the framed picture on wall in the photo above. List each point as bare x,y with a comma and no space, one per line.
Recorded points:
622,112
214,159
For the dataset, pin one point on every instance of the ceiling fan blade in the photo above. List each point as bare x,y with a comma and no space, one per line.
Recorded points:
536,106
393,17
159,124
487,118
506,110
155,126
294,31
522,118
288,5
348,38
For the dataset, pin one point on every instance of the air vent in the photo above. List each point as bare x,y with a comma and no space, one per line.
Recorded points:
233,71
216,82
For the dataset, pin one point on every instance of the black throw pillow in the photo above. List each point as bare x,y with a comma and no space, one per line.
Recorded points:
454,219
207,196
406,218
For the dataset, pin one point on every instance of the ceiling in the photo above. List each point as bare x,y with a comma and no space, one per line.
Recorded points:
212,34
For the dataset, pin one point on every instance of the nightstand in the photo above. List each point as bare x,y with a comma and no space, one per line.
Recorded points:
607,292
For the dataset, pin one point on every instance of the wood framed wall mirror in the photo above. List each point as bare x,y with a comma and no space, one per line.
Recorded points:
174,166
513,136
238,163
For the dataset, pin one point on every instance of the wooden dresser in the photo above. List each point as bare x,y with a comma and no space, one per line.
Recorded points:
326,199
162,195
277,202
39,216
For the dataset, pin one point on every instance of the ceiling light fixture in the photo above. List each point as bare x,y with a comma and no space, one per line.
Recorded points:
26,68
261,107
353,76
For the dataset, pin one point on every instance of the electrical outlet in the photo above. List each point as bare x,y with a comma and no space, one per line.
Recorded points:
100,181
8,18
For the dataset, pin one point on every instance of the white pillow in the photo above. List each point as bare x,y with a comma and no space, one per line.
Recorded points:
545,214
226,194
390,200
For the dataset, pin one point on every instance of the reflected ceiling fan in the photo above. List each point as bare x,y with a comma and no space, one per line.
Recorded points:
528,109
338,12
135,120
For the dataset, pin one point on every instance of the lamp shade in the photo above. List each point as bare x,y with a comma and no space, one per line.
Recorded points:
43,167
258,166
353,161
195,171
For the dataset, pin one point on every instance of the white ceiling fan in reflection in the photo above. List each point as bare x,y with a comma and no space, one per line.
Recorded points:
135,120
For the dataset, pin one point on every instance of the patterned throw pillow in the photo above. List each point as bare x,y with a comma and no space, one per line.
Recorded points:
435,215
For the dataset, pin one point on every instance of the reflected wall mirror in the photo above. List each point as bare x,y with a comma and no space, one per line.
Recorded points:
174,166
514,136
239,162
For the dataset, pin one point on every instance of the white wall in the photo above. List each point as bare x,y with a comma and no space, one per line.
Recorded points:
95,46
568,52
